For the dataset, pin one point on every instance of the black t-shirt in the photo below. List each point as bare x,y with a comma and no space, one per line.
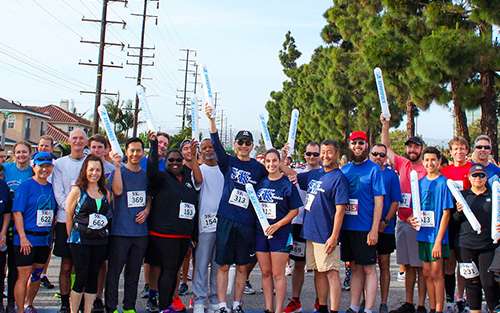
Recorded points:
481,206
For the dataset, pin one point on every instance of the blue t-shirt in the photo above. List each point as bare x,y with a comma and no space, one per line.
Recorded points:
435,197
234,204
278,197
325,190
493,173
365,183
392,194
14,176
35,201
161,164
129,203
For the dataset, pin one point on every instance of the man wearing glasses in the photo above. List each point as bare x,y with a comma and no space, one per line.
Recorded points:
482,152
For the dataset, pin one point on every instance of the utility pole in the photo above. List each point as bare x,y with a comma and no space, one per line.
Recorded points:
141,57
100,62
184,91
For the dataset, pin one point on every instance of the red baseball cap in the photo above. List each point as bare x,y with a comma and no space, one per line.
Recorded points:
358,134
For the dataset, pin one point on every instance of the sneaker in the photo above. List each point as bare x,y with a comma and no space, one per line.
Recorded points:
421,309
63,309
126,311
221,310
383,308
183,289
316,305
404,308
11,308
98,306
346,285
145,292
248,289
45,282
449,307
401,276
177,305
349,310
289,270
293,306
152,305
461,306
212,308
238,309
199,308
30,309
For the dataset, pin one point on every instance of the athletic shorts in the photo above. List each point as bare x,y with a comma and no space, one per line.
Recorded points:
386,243
425,251
298,252
318,260
234,243
38,255
61,246
281,242
406,245
355,248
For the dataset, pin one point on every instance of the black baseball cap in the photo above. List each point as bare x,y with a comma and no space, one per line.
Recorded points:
416,140
244,134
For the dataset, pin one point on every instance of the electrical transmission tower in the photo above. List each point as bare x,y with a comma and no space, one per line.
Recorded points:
189,62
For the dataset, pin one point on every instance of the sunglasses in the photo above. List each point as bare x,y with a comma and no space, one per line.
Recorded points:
483,147
43,159
358,142
381,154
242,142
314,154
480,175
172,160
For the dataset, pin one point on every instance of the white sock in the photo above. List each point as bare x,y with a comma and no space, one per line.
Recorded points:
222,305
235,304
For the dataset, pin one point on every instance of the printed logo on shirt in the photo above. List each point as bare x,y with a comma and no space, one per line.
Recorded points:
314,186
241,177
189,185
267,195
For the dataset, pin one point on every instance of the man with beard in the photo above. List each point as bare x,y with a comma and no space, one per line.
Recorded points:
406,236
361,222
210,194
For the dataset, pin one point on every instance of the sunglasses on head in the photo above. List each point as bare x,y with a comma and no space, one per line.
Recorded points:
242,142
314,154
480,175
381,154
358,142
172,160
483,147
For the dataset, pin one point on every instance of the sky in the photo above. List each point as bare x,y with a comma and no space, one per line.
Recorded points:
238,41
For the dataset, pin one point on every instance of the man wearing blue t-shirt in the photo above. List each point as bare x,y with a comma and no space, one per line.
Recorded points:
482,153
235,234
386,239
362,221
327,198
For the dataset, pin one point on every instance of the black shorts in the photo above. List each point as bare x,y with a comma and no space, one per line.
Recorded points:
38,255
234,243
298,252
386,243
152,256
354,248
61,246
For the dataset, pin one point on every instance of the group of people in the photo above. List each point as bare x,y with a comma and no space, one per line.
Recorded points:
107,212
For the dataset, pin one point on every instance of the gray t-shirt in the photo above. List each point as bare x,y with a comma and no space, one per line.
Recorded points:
64,175
210,194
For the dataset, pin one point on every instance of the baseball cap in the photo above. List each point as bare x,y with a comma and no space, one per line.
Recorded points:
416,140
41,158
184,142
244,134
358,134
477,168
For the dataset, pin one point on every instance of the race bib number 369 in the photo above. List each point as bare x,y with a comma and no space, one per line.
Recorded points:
239,198
136,199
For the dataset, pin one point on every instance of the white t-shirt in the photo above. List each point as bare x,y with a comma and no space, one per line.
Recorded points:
64,175
210,195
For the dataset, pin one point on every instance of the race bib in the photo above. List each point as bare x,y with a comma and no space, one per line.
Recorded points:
269,210
44,218
310,199
186,211
459,184
298,249
136,199
208,223
468,270
352,208
428,219
97,221
405,200
239,198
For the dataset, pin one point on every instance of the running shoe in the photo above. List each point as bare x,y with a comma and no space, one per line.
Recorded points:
152,305
293,306
177,305
199,308
30,309
449,307
289,270
145,292
248,289
401,276
383,308
183,289
461,306
98,306
421,309
404,308
346,285
349,310
238,309
126,311
221,310
212,308
316,305
45,282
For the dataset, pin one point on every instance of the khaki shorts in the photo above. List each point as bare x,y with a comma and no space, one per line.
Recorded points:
318,260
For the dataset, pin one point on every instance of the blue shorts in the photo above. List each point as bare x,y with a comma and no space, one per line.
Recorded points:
282,241
234,243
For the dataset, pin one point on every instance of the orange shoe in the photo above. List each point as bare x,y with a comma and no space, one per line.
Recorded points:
293,306
177,304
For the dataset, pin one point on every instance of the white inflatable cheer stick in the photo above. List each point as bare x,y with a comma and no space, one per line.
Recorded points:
141,95
384,105
415,196
495,213
195,129
465,207
207,89
109,128
261,216
265,132
292,132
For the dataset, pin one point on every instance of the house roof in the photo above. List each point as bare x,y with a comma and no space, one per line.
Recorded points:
17,108
59,115
58,134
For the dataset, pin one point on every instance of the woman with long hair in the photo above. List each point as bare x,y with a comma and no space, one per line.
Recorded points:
88,210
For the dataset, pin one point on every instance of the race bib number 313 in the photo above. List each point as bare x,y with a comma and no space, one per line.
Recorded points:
239,198
428,219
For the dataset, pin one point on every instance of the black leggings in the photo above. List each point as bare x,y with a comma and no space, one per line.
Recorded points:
485,280
87,260
171,252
